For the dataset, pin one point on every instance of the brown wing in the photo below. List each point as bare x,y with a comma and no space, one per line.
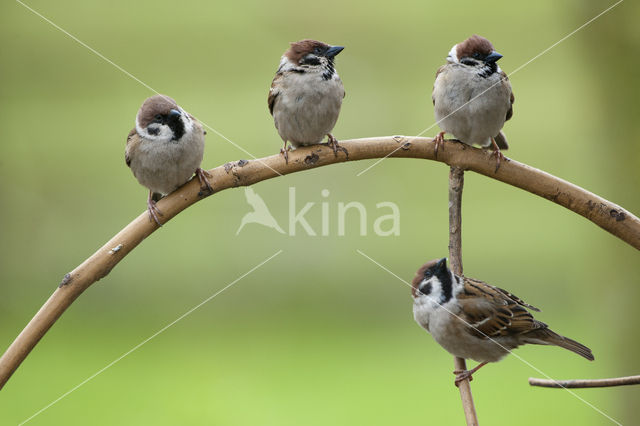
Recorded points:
492,312
517,299
132,144
437,73
505,81
274,91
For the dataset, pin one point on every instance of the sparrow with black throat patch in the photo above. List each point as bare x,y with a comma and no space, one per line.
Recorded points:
474,320
472,97
306,95
165,149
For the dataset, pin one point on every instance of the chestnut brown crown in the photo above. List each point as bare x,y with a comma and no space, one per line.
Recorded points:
153,106
300,51
474,45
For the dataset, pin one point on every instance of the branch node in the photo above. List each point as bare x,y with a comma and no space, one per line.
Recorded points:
66,280
311,159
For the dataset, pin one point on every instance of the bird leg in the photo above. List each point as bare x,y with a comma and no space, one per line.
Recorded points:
462,375
153,210
439,141
497,153
333,143
285,152
204,182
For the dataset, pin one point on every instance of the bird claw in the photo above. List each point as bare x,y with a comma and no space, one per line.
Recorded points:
462,375
203,176
285,153
439,143
333,143
499,155
154,211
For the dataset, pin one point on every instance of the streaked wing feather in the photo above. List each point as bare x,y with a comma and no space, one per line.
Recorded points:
274,91
131,145
505,81
433,99
492,313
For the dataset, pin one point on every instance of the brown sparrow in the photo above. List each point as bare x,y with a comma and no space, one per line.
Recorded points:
472,319
472,96
306,95
165,149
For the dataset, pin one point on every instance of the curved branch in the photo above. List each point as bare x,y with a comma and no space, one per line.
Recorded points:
587,383
605,214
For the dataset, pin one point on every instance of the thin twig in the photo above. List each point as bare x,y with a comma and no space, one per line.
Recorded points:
586,383
605,214
456,183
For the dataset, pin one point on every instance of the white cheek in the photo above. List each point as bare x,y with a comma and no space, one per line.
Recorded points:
188,124
453,55
286,65
164,133
139,128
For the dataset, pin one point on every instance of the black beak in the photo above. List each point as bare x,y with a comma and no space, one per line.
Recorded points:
493,57
442,264
333,51
174,113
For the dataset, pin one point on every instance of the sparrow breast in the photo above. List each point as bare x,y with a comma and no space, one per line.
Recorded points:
307,108
470,106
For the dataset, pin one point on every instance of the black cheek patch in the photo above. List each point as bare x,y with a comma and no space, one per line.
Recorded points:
426,290
153,130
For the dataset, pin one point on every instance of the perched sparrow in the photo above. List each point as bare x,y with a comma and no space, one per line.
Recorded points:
306,95
165,149
472,319
472,97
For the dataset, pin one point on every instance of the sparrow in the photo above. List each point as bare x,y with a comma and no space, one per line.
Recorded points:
472,319
165,149
306,95
472,96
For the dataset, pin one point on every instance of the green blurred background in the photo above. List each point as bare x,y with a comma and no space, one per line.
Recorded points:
319,335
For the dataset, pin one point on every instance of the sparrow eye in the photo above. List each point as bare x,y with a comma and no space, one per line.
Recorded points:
317,50
158,117
476,55
310,60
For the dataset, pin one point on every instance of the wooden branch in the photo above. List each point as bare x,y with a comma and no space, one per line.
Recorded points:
456,183
605,214
587,383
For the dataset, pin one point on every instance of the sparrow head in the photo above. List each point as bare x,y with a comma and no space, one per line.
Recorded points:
161,119
476,52
433,281
311,56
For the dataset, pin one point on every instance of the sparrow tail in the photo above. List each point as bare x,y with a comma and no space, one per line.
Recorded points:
548,337
501,141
